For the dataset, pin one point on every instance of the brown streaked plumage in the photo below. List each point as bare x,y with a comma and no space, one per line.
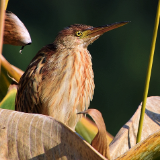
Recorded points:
59,81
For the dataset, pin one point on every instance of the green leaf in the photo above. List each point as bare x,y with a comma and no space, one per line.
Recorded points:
8,101
86,129
4,83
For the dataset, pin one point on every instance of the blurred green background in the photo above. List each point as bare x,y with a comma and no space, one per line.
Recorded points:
120,57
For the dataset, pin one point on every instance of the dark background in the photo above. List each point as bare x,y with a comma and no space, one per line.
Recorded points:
120,57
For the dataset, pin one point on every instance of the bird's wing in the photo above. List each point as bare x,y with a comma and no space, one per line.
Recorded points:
28,93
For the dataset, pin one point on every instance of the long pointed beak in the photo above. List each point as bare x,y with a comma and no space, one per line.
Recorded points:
97,31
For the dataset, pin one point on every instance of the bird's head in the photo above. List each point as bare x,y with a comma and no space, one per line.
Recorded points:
83,35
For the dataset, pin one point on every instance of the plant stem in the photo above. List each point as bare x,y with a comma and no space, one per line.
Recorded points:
2,16
148,73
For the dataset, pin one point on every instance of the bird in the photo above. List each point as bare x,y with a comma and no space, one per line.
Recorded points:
59,81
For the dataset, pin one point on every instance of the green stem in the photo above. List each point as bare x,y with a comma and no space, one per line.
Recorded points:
148,73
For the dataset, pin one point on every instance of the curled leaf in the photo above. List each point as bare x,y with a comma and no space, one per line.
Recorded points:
15,33
100,142
35,136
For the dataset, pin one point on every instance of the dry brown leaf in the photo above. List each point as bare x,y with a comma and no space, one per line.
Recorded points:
15,33
126,137
26,136
147,149
100,142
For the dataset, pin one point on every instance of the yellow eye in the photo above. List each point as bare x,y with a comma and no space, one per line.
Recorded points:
79,33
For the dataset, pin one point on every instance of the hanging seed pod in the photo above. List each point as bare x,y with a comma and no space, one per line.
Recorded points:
15,33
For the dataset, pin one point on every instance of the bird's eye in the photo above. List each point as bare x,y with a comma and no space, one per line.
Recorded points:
79,33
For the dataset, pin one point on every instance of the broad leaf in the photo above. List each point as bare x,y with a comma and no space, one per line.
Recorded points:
26,136
126,137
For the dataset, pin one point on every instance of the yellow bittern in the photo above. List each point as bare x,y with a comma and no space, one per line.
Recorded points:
59,81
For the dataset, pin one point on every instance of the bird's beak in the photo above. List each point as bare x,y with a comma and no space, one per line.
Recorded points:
97,31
